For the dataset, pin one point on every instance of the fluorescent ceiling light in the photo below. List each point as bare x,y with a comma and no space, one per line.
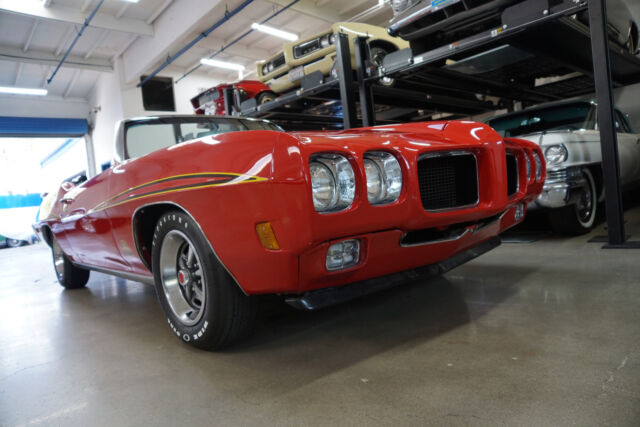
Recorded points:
222,64
274,32
131,1
22,91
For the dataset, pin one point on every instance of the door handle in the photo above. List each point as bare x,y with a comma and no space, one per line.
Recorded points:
66,201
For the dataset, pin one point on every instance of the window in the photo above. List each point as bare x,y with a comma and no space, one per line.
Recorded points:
622,125
144,137
561,117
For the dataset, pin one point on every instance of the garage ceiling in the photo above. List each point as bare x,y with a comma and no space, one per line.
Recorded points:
35,34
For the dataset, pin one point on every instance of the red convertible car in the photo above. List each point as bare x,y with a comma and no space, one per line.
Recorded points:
214,210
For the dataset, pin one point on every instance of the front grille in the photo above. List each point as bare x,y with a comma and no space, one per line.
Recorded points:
560,175
448,181
512,174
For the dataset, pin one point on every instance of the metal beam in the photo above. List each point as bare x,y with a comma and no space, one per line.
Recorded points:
72,82
47,58
65,39
364,90
345,80
18,72
27,44
606,122
96,43
158,11
72,15
310,9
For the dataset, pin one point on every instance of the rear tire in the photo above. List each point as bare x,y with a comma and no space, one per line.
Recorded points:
69,276
265,97
579,218
14,243
202,303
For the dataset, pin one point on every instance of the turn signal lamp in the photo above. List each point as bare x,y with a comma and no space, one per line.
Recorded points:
266,236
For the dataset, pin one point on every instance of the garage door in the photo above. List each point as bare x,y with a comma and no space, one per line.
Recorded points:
42,127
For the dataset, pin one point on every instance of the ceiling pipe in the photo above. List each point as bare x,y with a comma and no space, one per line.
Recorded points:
75,40
237,39
170,59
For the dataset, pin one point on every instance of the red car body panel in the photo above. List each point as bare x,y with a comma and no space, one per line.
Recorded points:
251,89
230,182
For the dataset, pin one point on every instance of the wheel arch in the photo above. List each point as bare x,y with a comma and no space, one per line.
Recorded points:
383,44
598,177
47,235
143,223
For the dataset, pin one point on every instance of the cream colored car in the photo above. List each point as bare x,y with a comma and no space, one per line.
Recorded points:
283,71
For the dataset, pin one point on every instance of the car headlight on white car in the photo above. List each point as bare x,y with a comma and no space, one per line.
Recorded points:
333,184
384,177
555,154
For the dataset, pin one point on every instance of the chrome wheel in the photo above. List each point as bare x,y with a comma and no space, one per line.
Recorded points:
58,258
182,277
585,207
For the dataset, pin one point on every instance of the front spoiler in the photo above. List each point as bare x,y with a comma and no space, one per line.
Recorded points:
321,298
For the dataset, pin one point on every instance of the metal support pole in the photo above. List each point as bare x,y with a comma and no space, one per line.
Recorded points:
606,121
364,89
345,80
228,100
91,156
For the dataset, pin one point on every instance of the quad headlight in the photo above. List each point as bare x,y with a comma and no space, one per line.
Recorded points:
384,177
555,154
333,184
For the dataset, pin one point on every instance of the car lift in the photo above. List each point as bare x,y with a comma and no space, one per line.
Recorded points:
546,34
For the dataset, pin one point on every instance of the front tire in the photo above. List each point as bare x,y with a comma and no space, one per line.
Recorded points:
377,55
202,303
579,218
266,96
14,243
69,276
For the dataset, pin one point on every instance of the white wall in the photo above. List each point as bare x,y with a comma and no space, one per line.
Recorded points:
182,92
37,106
106,105
116,101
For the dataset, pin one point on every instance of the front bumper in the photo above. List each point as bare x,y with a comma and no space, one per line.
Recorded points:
382,253
561,188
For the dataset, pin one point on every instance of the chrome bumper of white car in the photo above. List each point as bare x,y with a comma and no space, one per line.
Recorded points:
561,188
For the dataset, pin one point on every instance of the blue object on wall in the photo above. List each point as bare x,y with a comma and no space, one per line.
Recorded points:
20,200
42,127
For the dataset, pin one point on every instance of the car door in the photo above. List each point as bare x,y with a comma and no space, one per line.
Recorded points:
88,229
629,151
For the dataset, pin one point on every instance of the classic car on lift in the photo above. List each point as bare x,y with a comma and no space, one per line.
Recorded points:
428,24
211,101
283,71
215,210
567,133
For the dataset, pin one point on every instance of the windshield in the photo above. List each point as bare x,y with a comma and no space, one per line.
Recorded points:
562,117
144,137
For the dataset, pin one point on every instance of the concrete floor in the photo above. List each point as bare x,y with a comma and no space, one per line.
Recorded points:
543,333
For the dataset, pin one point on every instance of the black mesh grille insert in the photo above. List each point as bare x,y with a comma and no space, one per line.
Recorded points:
512,174
448,181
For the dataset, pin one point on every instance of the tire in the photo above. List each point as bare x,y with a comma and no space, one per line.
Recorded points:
14,243
377,55
579,218
265,97
69,276
202,303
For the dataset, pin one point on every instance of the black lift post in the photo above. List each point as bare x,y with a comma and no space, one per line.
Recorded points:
606,123
228,100
364,88
345,80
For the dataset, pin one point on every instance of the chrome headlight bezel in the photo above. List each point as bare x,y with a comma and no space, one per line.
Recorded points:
527,163
342,190
556,154
383,175
538,162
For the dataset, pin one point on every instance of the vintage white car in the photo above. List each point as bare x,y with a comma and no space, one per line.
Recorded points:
567,134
